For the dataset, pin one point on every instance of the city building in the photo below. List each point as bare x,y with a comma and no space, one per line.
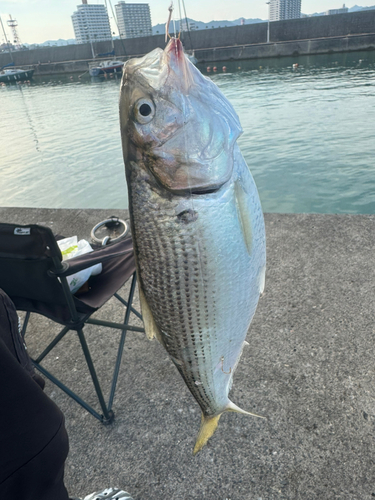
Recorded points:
91,23
344,10
133,19
284,9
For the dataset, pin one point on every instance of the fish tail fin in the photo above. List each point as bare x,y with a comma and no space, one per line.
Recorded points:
208,427
209,424
232,407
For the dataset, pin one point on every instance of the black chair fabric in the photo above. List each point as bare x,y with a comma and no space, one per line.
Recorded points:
29,253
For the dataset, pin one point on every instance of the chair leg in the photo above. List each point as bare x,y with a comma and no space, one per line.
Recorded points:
134,311
25,323
54,342
122,342
107,414
68,391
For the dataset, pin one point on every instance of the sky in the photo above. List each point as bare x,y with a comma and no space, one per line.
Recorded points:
42,20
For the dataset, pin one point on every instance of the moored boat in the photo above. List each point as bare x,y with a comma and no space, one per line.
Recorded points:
105,67
15,75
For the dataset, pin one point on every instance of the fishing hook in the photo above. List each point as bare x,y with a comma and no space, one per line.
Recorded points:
170,8
222,366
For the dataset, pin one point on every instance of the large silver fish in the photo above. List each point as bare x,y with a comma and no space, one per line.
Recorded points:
196,220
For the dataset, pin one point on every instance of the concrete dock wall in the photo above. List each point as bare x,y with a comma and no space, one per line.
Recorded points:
287,49
242,52
312,35
354,23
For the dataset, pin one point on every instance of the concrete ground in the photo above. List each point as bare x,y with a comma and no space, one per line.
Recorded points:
309,369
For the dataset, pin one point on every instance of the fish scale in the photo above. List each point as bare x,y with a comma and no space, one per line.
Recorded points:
182,322
177,261
196,220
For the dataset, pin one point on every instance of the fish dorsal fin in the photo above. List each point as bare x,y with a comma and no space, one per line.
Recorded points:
151,328
244,215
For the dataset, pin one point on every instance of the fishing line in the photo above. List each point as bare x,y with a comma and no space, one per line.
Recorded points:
180,20
174,22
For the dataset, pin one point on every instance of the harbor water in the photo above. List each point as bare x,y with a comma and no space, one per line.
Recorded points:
308,136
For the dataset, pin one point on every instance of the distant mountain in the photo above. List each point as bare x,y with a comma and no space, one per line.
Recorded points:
356,8
52,43
59,42
199,25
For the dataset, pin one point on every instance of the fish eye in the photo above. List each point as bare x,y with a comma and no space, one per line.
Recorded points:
144,111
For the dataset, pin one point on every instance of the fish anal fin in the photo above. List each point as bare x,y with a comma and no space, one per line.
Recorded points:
232,407
151,328
208,427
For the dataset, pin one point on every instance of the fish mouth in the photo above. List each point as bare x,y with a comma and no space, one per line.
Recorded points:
204,191
177,63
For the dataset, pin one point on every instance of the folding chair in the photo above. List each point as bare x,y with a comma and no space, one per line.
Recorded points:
33,274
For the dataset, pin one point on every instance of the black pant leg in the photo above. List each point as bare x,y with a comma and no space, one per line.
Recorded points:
33,440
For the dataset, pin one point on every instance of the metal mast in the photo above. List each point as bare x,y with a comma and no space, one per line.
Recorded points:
6,40
12,23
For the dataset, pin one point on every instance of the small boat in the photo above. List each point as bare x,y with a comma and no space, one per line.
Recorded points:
15,75
105,67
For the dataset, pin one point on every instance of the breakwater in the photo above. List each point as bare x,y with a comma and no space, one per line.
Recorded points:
306,36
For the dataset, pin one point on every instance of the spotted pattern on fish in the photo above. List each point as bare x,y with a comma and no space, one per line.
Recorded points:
180,285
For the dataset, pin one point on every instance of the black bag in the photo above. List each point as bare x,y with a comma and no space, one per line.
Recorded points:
11,336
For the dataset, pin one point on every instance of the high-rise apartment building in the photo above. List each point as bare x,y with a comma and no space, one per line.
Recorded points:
284,9
344,10
133,19
91,23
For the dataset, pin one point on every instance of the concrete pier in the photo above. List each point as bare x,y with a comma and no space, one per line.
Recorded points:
309,369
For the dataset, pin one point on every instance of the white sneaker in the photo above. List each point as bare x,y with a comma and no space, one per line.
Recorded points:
109,494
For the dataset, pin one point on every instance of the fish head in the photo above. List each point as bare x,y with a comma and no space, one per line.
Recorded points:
176,122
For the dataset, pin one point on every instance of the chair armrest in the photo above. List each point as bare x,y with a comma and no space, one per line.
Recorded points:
97,256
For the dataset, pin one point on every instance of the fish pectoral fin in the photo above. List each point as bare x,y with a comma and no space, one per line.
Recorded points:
232,407
151,328
208,427
244,215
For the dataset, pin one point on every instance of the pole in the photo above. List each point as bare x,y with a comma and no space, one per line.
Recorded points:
268,24
6,39
110,28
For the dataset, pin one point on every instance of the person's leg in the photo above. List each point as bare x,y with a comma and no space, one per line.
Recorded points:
33,439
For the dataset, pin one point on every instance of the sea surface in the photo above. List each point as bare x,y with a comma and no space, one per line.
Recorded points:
308,136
